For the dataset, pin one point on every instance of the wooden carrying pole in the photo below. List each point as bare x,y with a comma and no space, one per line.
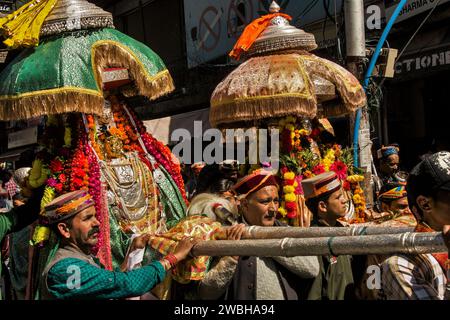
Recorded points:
255,232
410,243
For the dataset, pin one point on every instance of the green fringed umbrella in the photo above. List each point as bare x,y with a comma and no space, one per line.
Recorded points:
64,74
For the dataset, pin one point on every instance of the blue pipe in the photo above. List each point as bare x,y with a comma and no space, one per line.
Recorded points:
369,71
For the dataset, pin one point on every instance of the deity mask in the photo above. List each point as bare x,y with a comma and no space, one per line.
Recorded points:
114,147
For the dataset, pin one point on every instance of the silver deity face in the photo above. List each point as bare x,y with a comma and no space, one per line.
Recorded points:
107,115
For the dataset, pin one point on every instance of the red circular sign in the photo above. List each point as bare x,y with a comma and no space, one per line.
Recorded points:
209,29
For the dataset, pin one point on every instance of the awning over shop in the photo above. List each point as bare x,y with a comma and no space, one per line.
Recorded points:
162,128
12,155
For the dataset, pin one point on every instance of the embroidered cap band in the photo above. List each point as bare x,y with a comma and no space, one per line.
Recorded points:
324,183
66,206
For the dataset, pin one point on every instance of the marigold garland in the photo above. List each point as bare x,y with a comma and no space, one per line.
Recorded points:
123,129
288,208
304,155
92,136
358,198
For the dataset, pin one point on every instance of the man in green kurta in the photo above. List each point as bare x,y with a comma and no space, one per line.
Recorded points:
325,199
74,273
19,217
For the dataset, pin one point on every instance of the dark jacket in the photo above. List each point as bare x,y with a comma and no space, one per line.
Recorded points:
335,280
243,284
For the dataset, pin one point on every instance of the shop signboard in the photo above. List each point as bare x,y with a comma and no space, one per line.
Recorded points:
23,137
411,8
423,61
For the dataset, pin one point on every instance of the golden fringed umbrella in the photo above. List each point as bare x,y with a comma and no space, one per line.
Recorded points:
64,72
281,77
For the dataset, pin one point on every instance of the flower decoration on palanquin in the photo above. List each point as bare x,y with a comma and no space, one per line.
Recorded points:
79,178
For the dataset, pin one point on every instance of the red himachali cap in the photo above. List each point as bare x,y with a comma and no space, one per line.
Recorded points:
255,181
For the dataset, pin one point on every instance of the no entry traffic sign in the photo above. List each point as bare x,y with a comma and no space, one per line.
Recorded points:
209,28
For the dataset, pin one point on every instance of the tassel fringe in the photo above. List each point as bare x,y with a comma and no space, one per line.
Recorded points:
112,55
62,101
262,109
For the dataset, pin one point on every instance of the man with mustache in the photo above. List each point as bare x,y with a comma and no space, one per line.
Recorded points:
74,273
260,278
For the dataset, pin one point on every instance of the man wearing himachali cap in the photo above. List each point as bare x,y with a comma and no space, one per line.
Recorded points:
259,278
75,274
393,197
325,199
18,218
424,276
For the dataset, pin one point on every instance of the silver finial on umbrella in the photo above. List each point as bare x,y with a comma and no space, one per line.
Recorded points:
274,7
72,15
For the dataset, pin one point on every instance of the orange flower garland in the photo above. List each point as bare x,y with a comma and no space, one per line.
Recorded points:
91,126
124,131
79,178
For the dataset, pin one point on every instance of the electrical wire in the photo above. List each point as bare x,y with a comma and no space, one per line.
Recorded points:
368,75
411,38
417,30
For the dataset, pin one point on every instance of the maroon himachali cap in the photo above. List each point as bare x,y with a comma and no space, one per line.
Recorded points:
255,181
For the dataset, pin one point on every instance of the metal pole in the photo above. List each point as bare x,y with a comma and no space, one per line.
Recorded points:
354,28
407,243
255,232
355,40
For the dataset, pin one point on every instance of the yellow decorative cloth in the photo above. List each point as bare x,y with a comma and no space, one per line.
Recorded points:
198,227
22,27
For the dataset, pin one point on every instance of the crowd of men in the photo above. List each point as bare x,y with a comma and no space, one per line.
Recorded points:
253,200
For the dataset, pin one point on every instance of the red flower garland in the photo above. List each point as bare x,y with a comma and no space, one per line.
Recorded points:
159,152
340,168
56,165
80,167
162,154
103,247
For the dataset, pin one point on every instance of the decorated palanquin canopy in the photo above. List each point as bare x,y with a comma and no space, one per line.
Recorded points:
281,77
72,43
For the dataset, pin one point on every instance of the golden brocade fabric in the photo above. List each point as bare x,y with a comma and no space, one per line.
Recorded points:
267,76
22,27
199,227
284,84
347,86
